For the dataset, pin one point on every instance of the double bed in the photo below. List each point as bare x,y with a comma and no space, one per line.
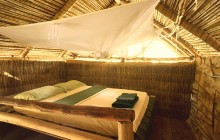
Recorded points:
92,98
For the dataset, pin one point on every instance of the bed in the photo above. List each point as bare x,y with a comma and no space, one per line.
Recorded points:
63,109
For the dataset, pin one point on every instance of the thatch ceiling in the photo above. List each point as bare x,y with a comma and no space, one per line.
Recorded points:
193,27
200,25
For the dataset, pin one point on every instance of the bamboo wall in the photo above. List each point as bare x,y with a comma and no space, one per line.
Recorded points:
30,74
205,112
171,83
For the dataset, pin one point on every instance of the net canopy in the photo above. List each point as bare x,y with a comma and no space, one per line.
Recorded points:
110,31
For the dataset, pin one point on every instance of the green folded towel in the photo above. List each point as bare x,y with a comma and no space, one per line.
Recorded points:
126,100
127,96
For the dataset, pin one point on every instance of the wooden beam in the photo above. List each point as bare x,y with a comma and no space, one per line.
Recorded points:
64,9
11,58
125,131
25,51
138,59
63,53
49,128
175,44
195,30
88,111
11,44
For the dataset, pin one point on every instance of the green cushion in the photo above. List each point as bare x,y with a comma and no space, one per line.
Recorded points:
39,93
70,85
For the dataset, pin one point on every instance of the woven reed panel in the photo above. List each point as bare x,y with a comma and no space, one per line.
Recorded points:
217,117
29,75
171,83
205,112
201,114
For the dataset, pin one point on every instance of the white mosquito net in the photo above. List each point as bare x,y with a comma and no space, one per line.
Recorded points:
109,31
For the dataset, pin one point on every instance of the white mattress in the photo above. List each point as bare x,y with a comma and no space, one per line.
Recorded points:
104,98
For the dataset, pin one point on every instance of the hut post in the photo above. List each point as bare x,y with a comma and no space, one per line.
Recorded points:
125,131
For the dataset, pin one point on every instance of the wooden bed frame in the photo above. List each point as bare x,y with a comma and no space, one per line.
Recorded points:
124,118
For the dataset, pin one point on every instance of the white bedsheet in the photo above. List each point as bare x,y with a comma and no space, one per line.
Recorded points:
104,98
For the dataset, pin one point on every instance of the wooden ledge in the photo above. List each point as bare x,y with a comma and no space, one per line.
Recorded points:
114,114
49,128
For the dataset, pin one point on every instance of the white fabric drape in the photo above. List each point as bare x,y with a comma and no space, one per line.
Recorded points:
111,30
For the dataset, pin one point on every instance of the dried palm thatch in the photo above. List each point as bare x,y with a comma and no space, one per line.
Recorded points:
193,27
199,25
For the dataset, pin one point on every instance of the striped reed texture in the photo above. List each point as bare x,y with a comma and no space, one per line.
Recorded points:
205,111
170,82
201,113
199,30
29,75
217,116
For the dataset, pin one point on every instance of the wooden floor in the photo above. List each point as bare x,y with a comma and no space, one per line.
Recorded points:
163,129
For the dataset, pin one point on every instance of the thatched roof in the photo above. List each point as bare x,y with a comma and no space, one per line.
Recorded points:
194,28
199,27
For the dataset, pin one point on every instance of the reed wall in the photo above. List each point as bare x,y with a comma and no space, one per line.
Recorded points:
17,75
205,111
170,82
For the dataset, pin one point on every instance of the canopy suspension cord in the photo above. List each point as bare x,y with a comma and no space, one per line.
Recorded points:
196,5
175,25
181,11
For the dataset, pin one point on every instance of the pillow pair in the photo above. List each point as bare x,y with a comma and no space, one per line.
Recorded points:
48,91
70,85
39,93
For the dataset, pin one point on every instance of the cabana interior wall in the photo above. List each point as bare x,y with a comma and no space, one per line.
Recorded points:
18,75
205,112
170,82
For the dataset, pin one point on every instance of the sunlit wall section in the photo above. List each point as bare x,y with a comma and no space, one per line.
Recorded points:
160,49
156,48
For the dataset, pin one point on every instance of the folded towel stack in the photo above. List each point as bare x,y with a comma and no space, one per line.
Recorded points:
126,100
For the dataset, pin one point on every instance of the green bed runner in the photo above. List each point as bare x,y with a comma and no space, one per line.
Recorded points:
79,96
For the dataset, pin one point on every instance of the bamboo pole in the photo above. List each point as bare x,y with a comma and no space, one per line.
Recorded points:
25,52
125,131
64,9
183,46
199,32
124,117
49,128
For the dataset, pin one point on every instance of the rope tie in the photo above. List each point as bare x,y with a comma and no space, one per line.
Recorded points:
175,26
196,5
